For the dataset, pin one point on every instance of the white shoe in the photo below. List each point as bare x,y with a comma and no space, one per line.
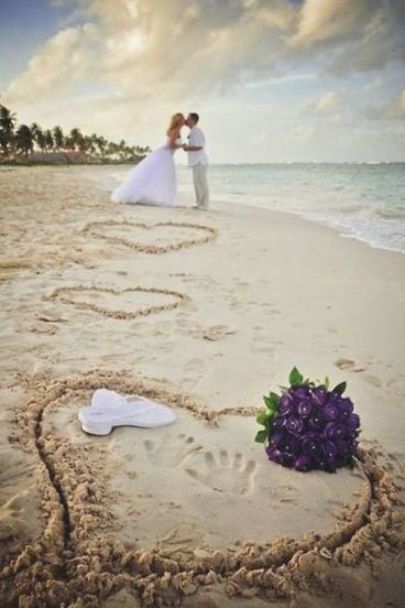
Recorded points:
108,409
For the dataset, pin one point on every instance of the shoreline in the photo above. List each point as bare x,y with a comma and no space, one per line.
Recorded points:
325,224
306,219
186,195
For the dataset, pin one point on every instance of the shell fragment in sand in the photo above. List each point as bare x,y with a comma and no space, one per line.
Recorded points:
109,409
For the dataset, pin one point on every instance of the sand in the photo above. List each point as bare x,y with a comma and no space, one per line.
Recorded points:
204,312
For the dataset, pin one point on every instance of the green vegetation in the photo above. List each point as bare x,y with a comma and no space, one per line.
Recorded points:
23,144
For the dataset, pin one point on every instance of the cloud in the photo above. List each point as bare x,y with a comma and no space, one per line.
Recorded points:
327,102
120,66
373,85
350,36
379,41
395,108
182,49
301,133
390,109
402,103
63,60
320,20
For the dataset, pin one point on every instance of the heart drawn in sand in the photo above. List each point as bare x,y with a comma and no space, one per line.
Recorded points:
83,556
96,298
182,232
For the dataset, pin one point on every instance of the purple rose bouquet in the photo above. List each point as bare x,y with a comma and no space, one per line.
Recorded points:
308,426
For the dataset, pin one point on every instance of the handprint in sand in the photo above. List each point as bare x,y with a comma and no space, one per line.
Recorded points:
171,454
225,473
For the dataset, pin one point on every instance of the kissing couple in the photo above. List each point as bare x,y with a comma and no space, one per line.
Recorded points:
153,180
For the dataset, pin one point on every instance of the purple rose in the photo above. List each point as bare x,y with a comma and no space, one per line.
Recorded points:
279,457
291,444
274,454
311,443
303,463
301,393
319,395
316,421
353,423
330,411
304,409
345,408
334,430
330,451
294,425
279,422
286,405
277,438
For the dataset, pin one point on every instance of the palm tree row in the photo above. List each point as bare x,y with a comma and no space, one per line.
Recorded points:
21,141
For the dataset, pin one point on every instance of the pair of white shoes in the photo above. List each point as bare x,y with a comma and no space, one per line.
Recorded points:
109,409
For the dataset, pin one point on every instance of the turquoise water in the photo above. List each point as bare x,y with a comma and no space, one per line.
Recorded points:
363,201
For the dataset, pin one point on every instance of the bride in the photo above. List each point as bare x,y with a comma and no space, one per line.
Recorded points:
153,180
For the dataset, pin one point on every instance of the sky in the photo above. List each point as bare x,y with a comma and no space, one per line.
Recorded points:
272,80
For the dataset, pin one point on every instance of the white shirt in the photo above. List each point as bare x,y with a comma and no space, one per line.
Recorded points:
197,138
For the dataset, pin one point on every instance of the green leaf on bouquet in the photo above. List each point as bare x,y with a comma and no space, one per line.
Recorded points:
295,378
261,416
261,436
340,388
265,417
327,382
271,400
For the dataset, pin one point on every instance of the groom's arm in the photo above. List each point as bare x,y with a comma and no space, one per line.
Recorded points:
196,143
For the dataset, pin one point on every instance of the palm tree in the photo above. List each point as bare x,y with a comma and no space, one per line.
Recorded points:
49,142
7,124
76,138
58,137
86,144
39,137
68,143
24,140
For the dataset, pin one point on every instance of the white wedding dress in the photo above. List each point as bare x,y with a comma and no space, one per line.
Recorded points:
152,181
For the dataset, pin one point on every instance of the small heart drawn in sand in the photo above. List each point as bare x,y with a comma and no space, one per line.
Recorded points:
134,301
172,235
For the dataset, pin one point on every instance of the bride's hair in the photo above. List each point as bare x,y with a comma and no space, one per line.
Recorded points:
176,122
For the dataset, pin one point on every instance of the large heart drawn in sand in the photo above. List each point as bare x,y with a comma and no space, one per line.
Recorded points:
82,554
203,234
169,300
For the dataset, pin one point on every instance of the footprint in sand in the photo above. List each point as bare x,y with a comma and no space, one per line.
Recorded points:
215,332
350,365
397,385
225,474
171,455
354,366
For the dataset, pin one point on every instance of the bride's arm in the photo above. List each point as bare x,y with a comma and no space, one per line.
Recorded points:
192,148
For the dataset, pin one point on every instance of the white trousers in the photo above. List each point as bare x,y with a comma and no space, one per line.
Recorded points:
201,185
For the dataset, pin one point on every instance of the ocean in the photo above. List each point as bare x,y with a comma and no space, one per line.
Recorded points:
362,201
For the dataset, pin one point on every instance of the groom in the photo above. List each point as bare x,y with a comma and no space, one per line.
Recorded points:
197,160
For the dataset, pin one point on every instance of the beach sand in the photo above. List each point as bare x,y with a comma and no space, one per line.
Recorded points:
205,312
